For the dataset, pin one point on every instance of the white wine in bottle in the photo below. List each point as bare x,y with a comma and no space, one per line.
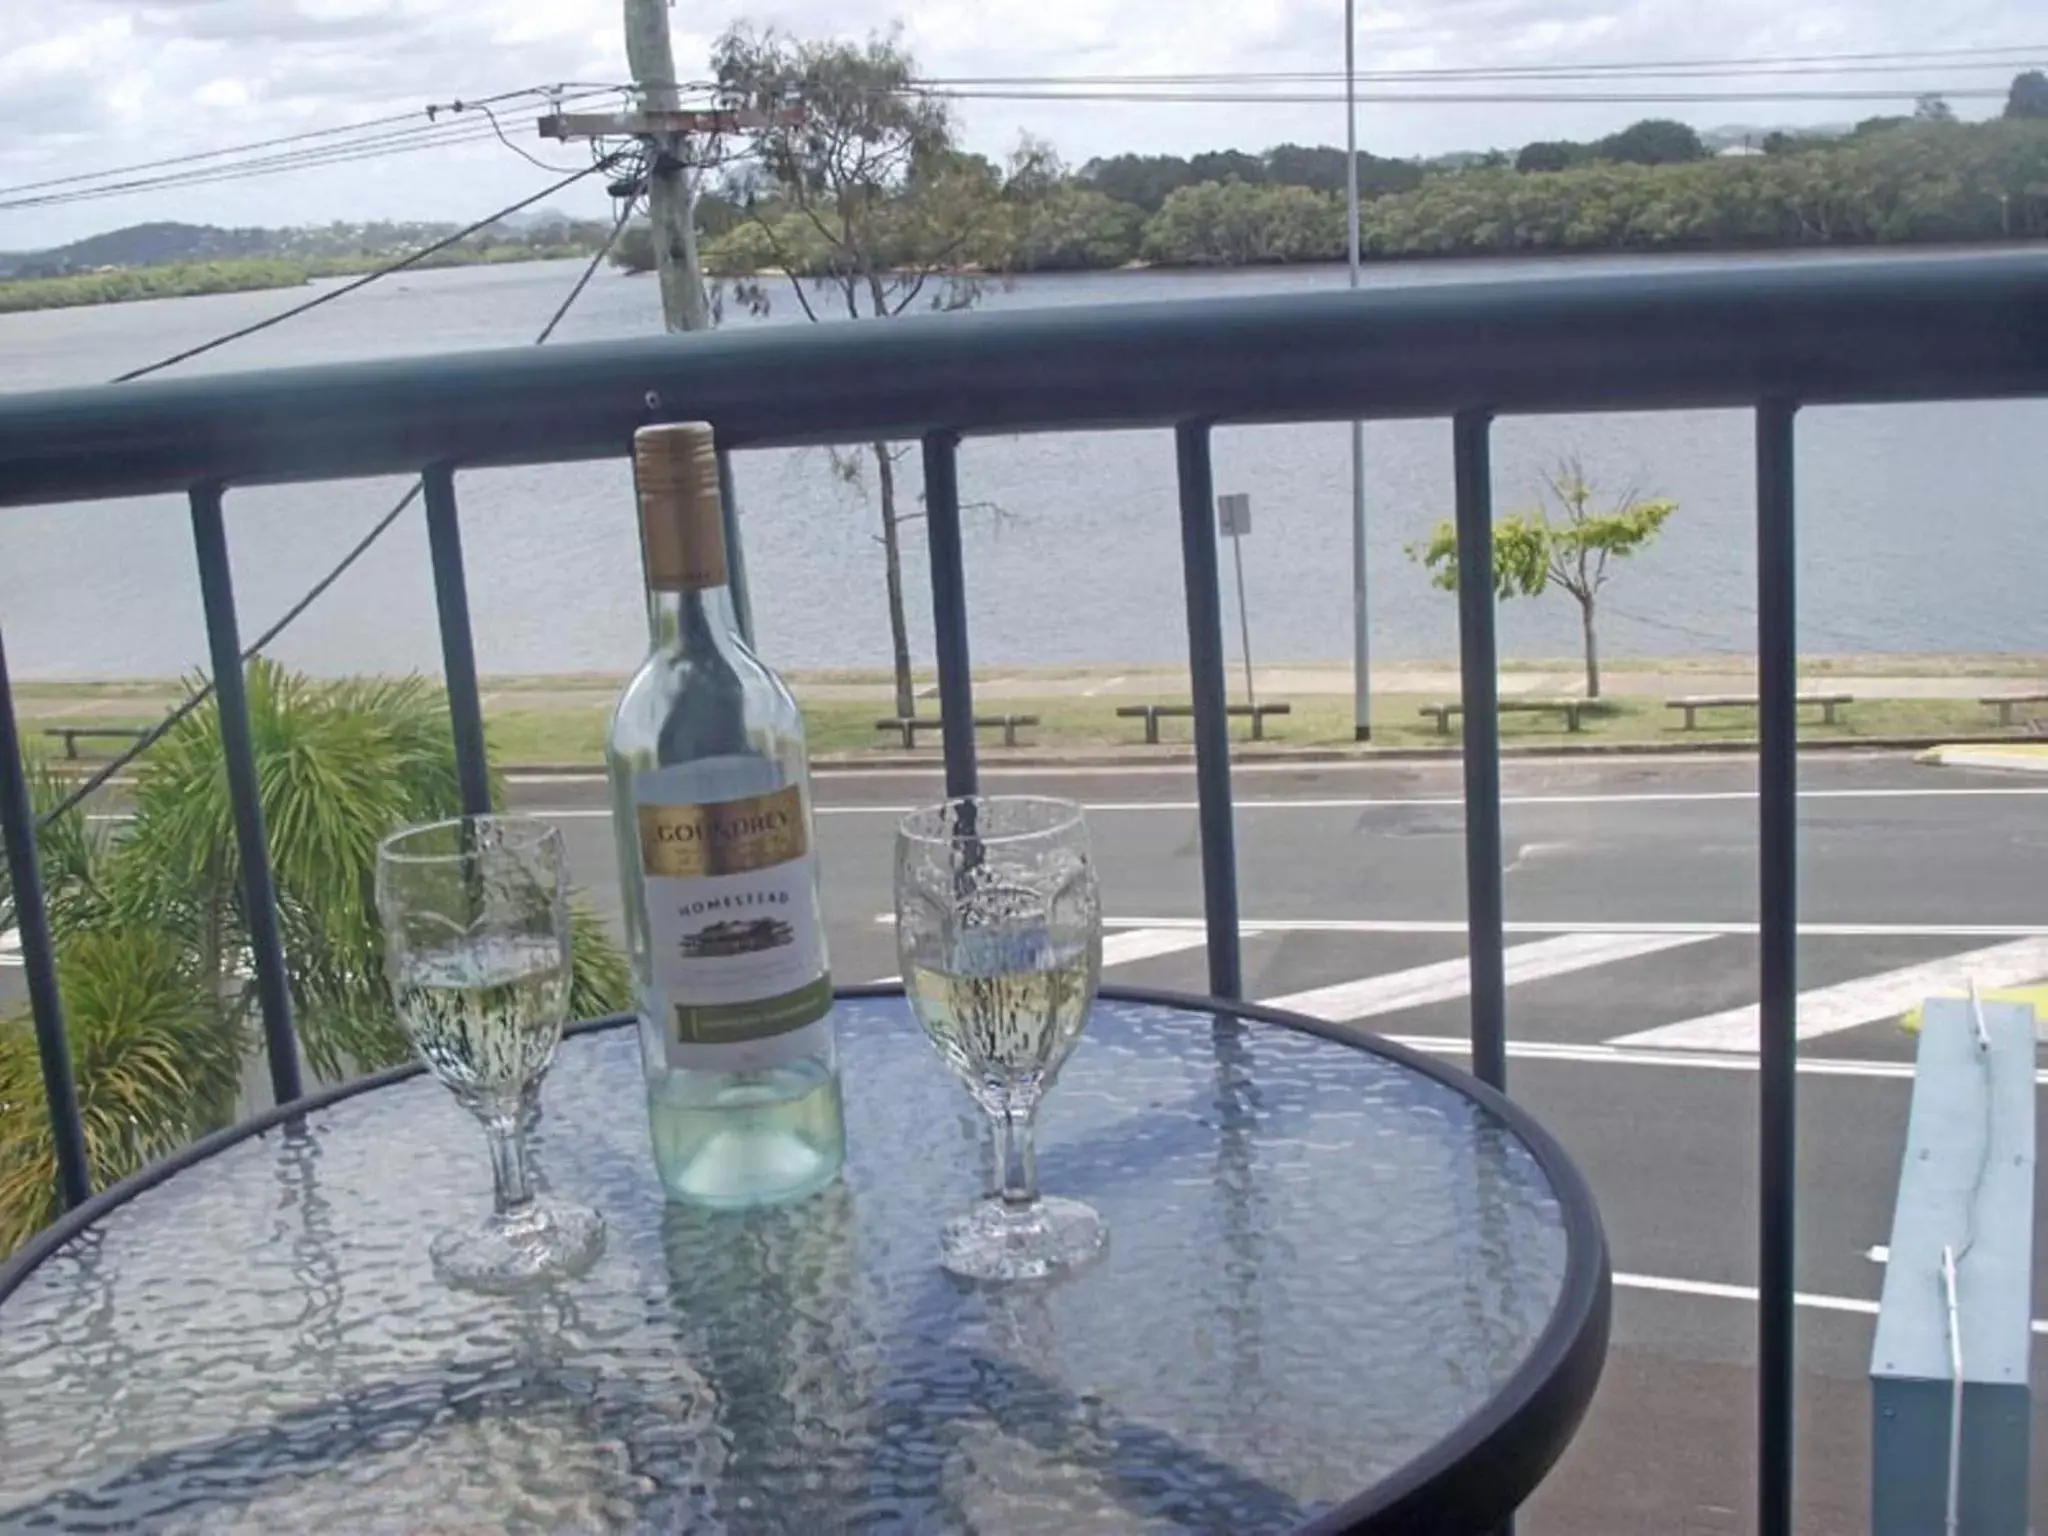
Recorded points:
711,802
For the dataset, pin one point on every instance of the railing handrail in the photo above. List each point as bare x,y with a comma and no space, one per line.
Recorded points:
1832,331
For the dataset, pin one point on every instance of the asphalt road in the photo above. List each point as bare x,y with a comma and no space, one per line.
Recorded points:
1631,891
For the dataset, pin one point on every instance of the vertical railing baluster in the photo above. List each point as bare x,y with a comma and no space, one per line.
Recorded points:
1777,665
458,650
735,550
1477,662
949,608
1212,720
38,959
259,894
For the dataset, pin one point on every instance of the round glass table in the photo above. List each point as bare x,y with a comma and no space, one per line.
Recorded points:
1346,1288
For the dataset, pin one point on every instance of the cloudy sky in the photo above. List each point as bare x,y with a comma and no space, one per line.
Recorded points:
87,85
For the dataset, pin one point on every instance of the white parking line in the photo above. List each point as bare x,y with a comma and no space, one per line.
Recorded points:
1866,1000
1694,1061
1859,1305
1371,996
1702,927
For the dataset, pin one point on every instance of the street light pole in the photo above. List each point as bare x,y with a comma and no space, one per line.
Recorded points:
1361,637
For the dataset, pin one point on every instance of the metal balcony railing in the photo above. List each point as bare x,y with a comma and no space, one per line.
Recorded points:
1768,338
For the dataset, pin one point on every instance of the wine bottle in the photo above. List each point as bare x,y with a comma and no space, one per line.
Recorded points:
711,805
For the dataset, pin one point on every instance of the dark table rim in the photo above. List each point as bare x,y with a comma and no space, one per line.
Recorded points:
1471,1480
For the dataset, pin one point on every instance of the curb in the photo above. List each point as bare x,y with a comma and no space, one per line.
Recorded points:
1183,755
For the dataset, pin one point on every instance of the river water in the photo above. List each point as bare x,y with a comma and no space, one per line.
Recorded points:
1920,525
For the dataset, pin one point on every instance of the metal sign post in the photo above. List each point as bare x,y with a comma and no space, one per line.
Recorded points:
1234,521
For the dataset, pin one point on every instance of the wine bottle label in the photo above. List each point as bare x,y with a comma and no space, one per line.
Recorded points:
739,975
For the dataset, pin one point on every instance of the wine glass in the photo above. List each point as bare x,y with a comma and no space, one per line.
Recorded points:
999,929
476,942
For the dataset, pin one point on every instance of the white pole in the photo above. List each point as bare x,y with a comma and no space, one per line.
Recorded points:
1361,636
1244,621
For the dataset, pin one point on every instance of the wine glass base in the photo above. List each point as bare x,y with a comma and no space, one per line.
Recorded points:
1000,1241
543,1242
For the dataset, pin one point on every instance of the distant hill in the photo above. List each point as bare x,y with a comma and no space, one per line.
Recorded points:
164,243
139,245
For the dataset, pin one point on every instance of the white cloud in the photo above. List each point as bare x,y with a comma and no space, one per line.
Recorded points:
94,83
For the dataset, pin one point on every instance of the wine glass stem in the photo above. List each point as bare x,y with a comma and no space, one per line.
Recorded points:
508,1163
1017,1147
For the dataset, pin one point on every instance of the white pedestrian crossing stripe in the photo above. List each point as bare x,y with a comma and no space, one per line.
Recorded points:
1867,1000
1372,996
10,947
1149,944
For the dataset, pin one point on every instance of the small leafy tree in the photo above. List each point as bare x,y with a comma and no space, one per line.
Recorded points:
1533,550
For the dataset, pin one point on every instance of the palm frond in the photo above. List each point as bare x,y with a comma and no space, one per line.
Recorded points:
155,1064
600,980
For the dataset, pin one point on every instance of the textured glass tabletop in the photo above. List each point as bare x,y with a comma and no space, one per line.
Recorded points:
1322,1264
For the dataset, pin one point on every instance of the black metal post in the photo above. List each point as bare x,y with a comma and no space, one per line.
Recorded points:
1477,664
259,895
1777,666
735,550
949,608
32,927
1212,720
458,652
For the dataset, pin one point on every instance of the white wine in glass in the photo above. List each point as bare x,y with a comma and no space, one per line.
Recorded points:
476,938
999,928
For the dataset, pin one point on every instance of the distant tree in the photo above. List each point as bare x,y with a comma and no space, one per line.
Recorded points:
1380,176
2029,95
1531,551
1144,181
1870,125
1778,142
1320,169
867,192
1550,155
1227,165
1932,109
1232,223
1057,223
1653,141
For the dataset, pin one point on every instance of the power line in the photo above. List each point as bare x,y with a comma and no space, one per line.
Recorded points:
356,551
1469,98
374,146
2014,56
370,277
580,91
1427,76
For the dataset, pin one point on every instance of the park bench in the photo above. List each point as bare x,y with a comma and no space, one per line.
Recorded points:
907,727
1152,714
2004,702
1570,708
73,733
1693,703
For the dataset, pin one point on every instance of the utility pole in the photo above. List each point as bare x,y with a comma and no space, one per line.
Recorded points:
1361,629
671,181
665,127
